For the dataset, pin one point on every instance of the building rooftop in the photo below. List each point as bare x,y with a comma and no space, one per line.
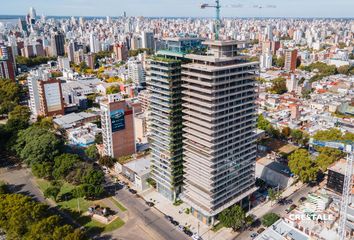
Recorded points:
339,166
70,120
280,230
140,166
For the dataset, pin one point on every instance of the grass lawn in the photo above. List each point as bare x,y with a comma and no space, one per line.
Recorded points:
217,227
72,207
118,204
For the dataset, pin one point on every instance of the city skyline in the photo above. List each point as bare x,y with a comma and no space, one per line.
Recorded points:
186,8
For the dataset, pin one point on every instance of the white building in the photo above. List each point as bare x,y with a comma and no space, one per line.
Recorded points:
136,72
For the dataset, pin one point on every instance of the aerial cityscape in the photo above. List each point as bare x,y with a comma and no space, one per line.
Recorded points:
176,120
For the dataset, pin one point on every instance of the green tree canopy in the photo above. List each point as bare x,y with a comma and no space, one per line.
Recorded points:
23,218
278,86
63,164
18,118
52,192
233,217
113,89
107,161
301,164
269,219
36,144
333,134
9,95
91,152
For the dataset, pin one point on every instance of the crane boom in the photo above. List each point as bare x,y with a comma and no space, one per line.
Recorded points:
348,178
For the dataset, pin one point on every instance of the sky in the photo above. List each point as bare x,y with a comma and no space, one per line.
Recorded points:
180,8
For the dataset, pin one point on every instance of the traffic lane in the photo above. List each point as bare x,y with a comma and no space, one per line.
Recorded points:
279,209
150,217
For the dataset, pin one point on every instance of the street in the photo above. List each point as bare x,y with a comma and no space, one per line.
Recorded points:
144,222
279,209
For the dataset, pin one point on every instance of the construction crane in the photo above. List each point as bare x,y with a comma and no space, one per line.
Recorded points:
217,6
218,20
348,148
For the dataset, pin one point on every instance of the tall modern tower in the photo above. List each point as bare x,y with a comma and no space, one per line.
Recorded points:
164,85
165,100
219,116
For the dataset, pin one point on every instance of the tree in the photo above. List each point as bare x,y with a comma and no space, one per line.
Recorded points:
63,164
278,62
107,161
93,176
42,169
98,138
18,118
233,217
286,131
91,152
3,188
113,89
23,218
323,161
333,134
274,195
269,219
263,123
343,69
9,95
278,86
52,192
36,144
301,164
297,136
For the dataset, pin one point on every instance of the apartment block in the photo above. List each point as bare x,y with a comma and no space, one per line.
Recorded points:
117,127
219,119
164,85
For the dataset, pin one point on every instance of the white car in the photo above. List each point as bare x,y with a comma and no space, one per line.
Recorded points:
196,237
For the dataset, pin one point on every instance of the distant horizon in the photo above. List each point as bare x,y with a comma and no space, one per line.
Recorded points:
184,8
16,16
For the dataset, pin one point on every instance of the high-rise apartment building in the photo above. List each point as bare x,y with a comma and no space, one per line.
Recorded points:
120,51
290,60
164,85
117,126
50,97
7,63
136,72
46,98
94,43
147,40
57,44
219,119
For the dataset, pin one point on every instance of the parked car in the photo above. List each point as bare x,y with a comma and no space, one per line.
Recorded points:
169,218
181,228
132,191
174,222
260,230
253,235
150,204
196,237
188,232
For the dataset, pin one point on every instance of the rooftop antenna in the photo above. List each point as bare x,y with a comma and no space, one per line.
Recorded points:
217,20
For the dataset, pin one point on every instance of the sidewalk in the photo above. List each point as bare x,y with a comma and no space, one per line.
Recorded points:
178,213
262,209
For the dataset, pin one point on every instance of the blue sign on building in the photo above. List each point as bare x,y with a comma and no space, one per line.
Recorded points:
117,120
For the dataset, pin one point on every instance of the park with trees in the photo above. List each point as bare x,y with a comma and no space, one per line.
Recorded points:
67,179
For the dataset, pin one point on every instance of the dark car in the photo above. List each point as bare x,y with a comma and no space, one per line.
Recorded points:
174,222
169,218
132,191
150,204
188,232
